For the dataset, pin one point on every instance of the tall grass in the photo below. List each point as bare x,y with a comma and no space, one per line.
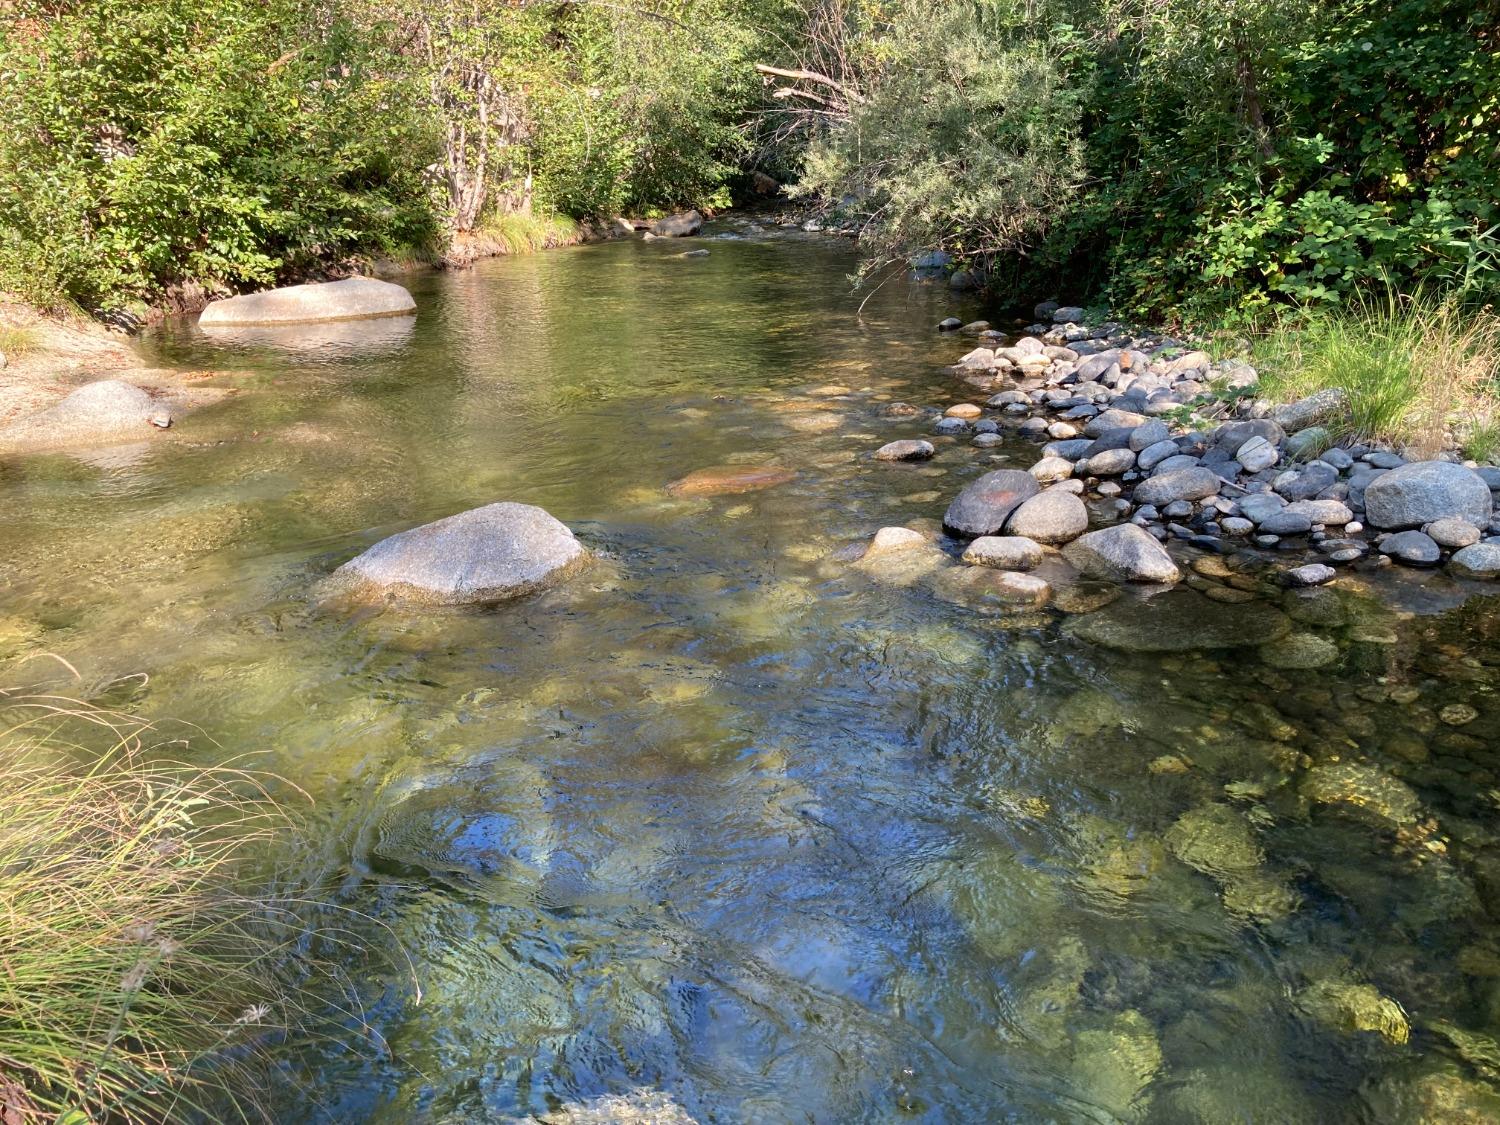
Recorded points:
1414,368
527,232
144,971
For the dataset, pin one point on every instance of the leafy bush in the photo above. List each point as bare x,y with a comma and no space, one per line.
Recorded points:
151,143
961,145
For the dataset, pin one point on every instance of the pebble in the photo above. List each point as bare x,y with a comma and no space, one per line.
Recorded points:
1458,714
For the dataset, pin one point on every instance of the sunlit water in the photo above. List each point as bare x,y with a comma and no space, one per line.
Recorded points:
784,839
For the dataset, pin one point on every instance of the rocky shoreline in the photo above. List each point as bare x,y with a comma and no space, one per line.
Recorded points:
1153,443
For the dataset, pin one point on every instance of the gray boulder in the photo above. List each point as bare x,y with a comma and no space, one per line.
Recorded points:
106,411
1123,552
678,226
1231,435
1004,552
1424,491
1067,314
1411,547
983,507
1453,533
1308,483
1111,462
486,555
1053,516
1480,560
1181,484
354,298
1329,405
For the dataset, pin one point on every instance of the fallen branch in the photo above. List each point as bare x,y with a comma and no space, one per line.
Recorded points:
811,76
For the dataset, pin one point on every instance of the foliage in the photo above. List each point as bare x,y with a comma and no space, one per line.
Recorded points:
151,143
1233,153
144,971
1414,367
960,146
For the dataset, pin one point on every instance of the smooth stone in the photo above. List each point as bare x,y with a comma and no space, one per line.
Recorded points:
489,554
1111,462
1309,443
1411,547
1425,491
1151,433
1328,405
909,449
1313,574
1123,552
1062,431
1053,516
1331,513
727,480
1154,455
1340,459
1453,533
1257,455
1237,526
1232,435
1114,420
1184,484
1308,483
106,410
353,298
1480,560
889,539
1261,506
1299,651
951,426
1285,522
1069,450
681,225
1067,314
983,507
988,440
1180,621
1174,464
965,410
1052,469
1005,552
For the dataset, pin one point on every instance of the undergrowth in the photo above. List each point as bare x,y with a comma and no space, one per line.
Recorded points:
145,969
1415,369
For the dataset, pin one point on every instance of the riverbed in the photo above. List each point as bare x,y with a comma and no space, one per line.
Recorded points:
728,825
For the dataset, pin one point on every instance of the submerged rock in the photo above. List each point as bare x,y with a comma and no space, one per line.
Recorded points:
354,298
1004,552
1347,1007
1116,1065
728,480
1363,789
681,225
1180,621
489,554
1300,651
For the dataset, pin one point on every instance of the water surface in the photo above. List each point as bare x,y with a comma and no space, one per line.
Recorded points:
780,838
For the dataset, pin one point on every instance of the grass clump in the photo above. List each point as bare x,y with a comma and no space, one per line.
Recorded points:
144,971
526,232
17,341
1415,370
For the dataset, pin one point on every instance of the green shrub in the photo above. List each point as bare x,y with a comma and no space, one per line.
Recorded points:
165,141
964,143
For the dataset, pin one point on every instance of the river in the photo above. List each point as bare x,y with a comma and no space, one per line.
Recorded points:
775,837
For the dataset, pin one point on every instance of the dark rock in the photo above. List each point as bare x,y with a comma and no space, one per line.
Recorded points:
1411,547
983,507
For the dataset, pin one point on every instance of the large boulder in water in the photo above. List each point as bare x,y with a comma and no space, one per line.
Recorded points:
354,298
1424,491
489,554
109,410
678,226
983,507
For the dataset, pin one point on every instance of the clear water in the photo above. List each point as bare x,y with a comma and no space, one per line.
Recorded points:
725,818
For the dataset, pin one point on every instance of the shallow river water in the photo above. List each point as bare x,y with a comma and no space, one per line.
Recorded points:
728,825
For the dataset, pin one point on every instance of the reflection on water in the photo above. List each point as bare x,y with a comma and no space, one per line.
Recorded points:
729,829
344,339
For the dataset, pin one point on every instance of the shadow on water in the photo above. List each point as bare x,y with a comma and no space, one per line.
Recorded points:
787,839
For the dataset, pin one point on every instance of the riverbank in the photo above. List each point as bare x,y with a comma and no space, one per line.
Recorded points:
1151,442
